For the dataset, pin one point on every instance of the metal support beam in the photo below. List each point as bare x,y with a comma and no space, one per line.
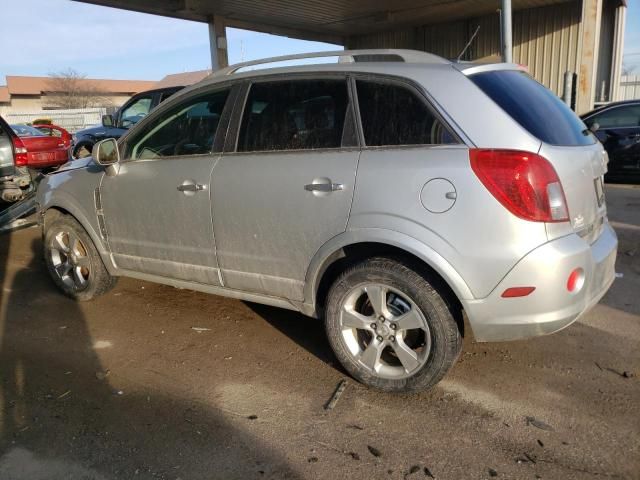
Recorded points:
218,43
616,55
567,89
588,44
506,31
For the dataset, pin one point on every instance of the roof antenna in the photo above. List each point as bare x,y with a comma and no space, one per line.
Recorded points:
466,47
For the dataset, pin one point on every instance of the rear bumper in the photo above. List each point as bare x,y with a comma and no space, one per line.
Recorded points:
551,307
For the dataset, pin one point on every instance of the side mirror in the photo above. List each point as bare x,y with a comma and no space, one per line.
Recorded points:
107,120
106,154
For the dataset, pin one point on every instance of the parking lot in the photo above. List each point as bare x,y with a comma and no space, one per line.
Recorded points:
154,382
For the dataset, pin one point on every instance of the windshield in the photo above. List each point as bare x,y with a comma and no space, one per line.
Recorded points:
27,131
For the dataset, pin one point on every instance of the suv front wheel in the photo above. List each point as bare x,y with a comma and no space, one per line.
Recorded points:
73,260
390,328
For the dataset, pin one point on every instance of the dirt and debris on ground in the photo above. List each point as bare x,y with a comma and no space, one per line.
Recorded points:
124,388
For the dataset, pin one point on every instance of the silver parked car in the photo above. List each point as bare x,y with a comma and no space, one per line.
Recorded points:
387,193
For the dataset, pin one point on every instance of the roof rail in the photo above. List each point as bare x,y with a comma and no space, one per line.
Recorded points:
345,56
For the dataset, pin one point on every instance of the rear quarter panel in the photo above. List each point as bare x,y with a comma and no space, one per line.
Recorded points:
477,236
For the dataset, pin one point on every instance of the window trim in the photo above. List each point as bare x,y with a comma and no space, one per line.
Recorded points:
233,137
124,145
423,95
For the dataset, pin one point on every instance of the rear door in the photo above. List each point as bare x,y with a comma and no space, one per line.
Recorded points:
579,160
285,186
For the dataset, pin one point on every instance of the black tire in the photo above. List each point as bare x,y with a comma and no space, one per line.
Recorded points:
405,283
83,256
82,149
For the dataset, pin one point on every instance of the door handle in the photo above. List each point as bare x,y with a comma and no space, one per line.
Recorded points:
191,187
323,187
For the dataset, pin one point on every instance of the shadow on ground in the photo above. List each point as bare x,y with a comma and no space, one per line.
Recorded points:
61,419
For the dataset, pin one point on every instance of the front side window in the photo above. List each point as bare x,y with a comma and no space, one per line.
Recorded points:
135,112
617,117
187,129
394,115
294,115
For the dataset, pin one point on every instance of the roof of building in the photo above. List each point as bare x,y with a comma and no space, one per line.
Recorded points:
22,85
328,21
182,79
4,95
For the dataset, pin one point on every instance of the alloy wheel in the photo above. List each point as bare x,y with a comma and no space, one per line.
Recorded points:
70,260
384,330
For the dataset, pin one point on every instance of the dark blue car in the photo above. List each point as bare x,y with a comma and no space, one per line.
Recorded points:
114,126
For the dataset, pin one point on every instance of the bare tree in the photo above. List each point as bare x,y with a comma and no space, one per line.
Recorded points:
627,69
70,89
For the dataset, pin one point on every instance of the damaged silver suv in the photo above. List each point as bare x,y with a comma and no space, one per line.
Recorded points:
386,193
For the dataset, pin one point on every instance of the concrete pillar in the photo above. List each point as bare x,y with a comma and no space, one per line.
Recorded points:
218,43
505,30
589,41
616,55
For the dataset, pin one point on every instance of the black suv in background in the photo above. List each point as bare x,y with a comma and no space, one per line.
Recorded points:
619,131
114,126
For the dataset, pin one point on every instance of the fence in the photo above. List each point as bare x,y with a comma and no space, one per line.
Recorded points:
72,120
629,87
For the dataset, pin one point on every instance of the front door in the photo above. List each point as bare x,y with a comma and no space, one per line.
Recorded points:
619,132
287,187
157,209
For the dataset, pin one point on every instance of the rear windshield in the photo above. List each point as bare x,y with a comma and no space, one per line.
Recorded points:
534,107
27,131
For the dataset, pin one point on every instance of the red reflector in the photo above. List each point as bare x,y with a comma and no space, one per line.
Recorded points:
20,152
575,280
517,292
525,183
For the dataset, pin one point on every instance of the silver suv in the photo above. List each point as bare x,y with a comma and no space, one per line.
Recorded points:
387,193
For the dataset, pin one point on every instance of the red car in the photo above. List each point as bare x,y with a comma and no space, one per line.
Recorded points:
43,146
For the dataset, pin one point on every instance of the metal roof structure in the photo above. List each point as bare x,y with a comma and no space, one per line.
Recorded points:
328,20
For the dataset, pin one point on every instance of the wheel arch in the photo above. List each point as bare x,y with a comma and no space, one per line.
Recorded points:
358,245
60,208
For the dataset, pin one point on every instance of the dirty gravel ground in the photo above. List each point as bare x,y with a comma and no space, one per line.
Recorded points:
124,388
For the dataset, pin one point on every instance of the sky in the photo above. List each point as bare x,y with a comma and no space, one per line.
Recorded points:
631,57
102,42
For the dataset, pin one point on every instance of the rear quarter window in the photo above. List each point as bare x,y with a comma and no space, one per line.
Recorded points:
534,107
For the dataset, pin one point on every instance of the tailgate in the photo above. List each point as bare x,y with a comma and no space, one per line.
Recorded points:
580,170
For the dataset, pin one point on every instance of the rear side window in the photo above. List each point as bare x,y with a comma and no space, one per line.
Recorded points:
617,117
394,115
534,107
296,115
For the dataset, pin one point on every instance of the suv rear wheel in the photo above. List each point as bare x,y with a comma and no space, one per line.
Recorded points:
390,328
73,260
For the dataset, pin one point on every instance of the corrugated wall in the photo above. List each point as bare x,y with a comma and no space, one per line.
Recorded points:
545,39
629,87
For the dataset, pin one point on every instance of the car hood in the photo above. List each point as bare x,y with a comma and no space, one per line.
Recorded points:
90,131
75,164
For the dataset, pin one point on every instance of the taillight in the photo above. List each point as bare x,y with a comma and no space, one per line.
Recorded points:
20,152
525,183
